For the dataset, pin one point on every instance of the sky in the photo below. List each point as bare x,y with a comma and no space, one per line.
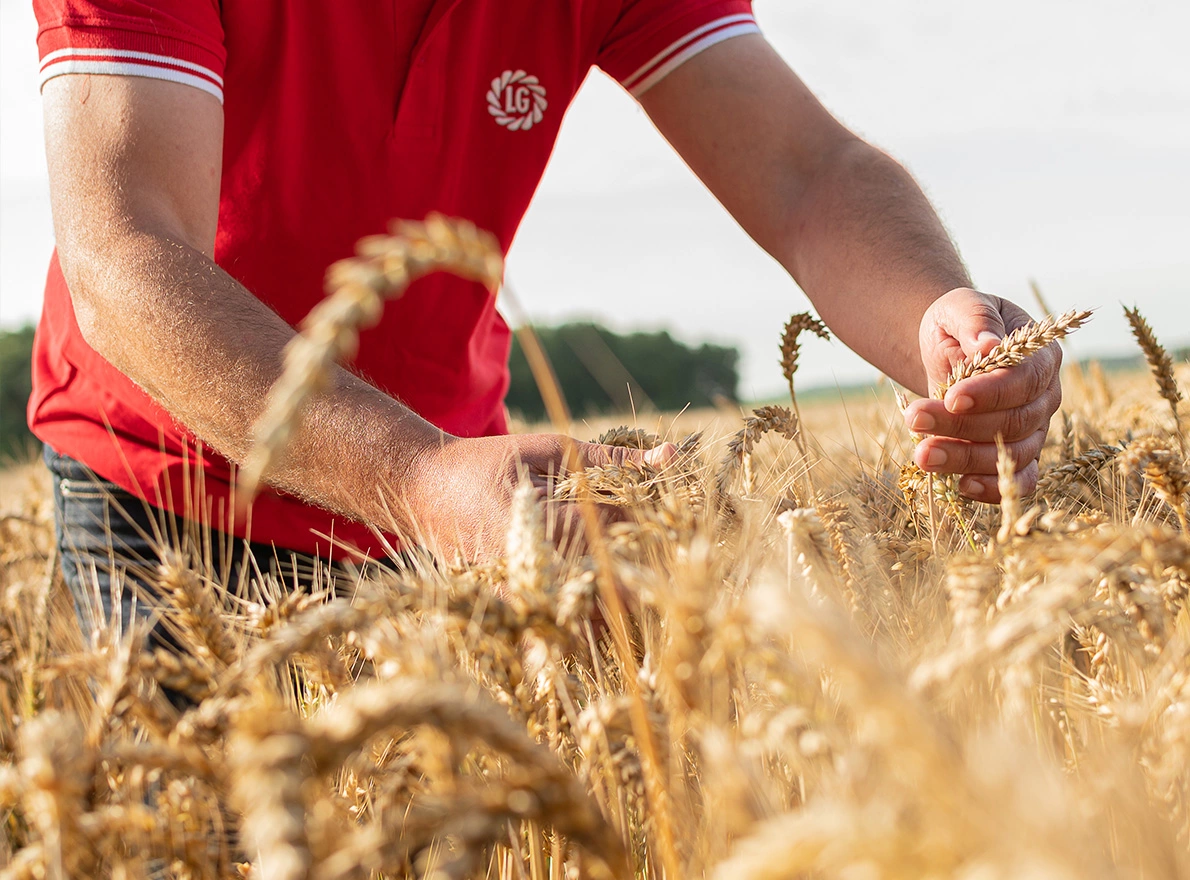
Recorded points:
1053,137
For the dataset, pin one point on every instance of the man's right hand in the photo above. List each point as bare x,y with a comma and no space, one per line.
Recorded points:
459,492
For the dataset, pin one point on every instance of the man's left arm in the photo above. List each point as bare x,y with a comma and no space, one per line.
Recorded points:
860,238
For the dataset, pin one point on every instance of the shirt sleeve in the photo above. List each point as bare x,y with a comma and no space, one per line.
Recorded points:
652,38
176,40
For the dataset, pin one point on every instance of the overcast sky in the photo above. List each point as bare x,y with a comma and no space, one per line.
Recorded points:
1052,135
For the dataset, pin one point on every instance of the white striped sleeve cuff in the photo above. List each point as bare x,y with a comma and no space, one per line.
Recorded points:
679,52
125,62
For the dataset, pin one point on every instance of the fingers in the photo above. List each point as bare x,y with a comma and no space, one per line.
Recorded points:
940,455
932,417
1007,389
987,488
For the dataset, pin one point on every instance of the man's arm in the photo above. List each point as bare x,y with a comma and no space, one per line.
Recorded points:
134,180
860,238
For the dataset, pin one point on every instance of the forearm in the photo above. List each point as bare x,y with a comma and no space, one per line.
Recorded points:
847,222
865,245
208,351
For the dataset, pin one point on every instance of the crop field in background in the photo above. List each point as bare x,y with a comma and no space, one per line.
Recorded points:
794,657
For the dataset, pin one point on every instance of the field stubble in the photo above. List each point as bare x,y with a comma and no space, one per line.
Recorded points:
833,667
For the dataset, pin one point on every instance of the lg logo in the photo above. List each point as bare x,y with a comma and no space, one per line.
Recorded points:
516,100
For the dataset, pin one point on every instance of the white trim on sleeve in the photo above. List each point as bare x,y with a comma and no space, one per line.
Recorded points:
680,51
125,62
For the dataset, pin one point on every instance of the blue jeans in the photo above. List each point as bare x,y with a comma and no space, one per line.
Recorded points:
110,543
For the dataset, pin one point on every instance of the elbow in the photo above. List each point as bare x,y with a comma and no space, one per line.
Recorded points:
98,275
78,271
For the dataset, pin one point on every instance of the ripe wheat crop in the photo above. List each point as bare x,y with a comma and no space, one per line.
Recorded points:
824,670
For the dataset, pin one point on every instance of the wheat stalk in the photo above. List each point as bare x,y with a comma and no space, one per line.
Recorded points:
383,268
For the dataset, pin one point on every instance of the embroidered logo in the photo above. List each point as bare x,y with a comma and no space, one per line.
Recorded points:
517,100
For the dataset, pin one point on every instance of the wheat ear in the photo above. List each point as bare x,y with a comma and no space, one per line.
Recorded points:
1164,470
629,438
790,349
1160,363
1058,479
1018,345
383,268
740,446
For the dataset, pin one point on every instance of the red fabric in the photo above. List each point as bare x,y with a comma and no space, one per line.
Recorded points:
338,118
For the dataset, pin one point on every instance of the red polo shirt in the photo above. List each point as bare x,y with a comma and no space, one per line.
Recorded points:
337,118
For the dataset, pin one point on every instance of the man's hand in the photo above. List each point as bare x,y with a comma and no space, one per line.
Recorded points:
460,493
1016,403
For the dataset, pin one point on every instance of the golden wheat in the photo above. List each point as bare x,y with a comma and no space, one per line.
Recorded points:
871,678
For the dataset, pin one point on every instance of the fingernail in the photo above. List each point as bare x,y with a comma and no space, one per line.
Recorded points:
960,403
923,421
936,457
987,336
660,456
974,486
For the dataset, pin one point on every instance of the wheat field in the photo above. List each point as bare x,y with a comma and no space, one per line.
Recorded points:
792,657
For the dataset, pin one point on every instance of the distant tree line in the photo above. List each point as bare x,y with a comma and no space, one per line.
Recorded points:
601,371
598,371
16,348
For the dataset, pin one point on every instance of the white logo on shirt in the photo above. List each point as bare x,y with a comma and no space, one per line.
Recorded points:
517,100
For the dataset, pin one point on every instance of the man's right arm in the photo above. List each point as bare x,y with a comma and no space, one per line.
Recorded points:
134,178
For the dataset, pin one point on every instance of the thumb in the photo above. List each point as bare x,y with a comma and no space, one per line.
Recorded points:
976,321
595,454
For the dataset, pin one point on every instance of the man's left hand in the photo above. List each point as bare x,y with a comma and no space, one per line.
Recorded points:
1015,403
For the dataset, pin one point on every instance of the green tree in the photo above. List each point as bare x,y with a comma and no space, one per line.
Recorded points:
602,371
16,350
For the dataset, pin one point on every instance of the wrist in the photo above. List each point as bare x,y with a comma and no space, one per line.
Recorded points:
422,470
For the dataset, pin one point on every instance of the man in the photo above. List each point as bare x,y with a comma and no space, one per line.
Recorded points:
208,160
